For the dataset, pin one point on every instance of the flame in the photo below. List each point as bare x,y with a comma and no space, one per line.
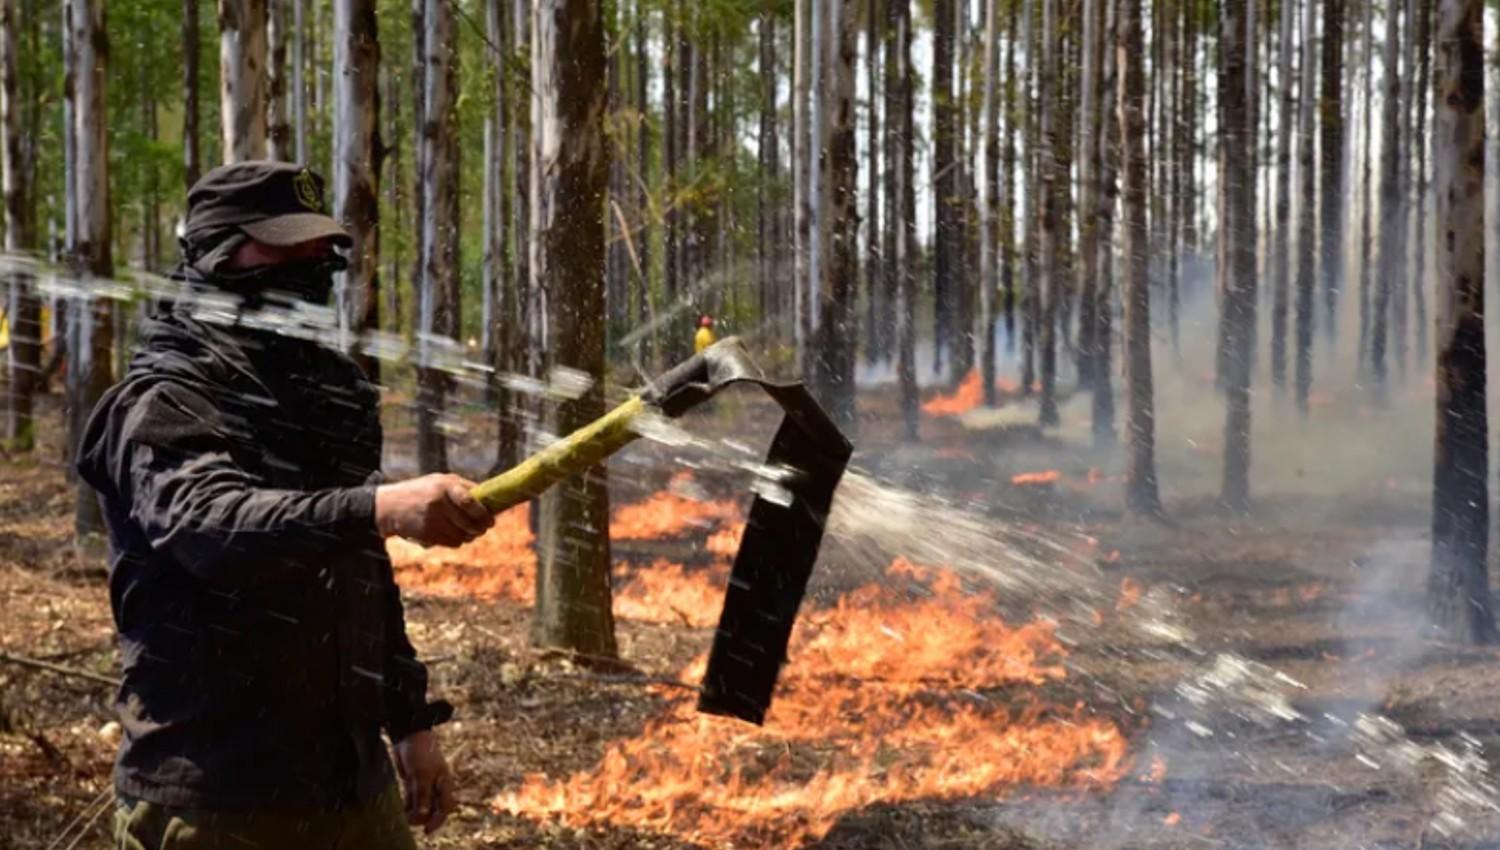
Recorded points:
500,564
669,593
1172,819
667,514
1032,479
1157,771
725,542
883,701
968,395
1130,594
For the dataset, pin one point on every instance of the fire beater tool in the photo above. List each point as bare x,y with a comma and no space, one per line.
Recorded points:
782,536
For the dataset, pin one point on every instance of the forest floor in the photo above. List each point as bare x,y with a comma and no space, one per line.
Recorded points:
1319,589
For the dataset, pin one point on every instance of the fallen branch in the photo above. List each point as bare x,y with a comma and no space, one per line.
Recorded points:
58,669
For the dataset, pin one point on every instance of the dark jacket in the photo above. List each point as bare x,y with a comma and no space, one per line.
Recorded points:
261,629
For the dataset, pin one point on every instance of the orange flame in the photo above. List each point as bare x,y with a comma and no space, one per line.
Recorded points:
883,701
669,593
968,395
668,515
1033,479
501,564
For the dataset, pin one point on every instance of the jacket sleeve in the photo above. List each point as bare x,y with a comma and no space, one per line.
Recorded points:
406,706
175,469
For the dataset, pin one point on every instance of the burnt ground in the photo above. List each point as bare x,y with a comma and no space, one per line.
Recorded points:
1319,587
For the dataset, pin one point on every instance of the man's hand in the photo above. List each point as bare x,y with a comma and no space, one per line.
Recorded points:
434,510
425,780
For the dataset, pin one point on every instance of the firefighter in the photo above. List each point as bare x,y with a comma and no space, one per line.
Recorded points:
264,644
705,335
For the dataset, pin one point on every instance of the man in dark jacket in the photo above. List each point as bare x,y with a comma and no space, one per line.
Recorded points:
262,632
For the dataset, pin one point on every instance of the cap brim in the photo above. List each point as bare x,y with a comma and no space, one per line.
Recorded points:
296,228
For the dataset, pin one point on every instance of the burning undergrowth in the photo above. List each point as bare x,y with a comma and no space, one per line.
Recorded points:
909,688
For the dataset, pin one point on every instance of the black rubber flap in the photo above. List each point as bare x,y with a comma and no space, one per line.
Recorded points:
781,541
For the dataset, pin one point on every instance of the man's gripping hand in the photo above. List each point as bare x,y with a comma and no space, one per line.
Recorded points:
425,779
434,510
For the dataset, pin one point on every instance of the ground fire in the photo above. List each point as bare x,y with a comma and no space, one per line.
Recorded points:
909,688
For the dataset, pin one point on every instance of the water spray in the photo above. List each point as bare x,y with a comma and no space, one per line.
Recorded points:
782,536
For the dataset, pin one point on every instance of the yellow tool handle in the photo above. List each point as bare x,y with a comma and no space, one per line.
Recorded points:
567,457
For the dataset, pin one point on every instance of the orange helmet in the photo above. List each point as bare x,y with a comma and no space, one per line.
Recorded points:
706,321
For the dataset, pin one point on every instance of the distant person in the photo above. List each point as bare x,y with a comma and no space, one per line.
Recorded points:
705,335
264,644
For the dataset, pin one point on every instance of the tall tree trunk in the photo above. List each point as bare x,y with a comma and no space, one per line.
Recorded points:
1108,142
356,191
395,197
1008,172
1366,332
1237,201
1418,142
1052,180
944,182
1280,257
1387,309
1187,161
1332,163
1141,496
905,221
1306,210
504,332
23,308
93,342
765,154
800,200
1092,113
1458,595
874,289
299,84
989,206
439,303
616,264
192,160
278,130
530,336
1031,209
573,593
961,281
836,326
815,198
644,309
242,78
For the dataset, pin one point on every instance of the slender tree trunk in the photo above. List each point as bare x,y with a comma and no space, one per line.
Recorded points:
23,308
905,223
395,198
1388,312
1008,171
874,288
1103,407
800,200
836,326
278,130
356,190
299,85
192,161
1332,163
1306,210
1458,594
944,184
93,348
815,198
439,303
965,257
1237,201
1281,253
989,206
1088,191
528,348
644,309
571,180
1417,180
765,153
1187,163
1366,332
1141,495
1052,181
1031,218
242,78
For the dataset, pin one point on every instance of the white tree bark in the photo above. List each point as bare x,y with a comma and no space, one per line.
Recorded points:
356,59
279,132
242,78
